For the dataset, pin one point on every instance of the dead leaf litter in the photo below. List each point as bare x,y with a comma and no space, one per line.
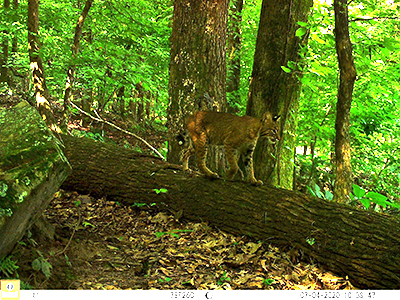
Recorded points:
102,244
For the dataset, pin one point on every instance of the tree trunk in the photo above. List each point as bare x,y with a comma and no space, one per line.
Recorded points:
197,74
360,244
39,81
234,45
272,89
344,181
71,70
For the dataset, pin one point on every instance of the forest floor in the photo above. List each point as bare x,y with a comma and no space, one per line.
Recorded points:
100,244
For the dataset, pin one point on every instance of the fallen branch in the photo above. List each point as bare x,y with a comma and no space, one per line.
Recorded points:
99,119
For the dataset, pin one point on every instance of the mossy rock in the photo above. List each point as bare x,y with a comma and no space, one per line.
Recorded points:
32,168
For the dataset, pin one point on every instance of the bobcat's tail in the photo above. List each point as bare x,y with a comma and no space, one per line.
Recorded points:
183,139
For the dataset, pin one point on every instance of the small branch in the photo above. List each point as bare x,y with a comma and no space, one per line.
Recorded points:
373,18
72,235
99,119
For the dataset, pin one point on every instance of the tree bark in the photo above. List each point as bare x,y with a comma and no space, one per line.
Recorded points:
350,242
272,89
197,74
39,80
344,181
234,48
71,70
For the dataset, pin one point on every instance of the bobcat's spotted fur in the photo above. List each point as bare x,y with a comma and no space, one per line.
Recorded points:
233,132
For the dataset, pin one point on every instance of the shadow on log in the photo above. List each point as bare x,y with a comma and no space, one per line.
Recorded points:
359,244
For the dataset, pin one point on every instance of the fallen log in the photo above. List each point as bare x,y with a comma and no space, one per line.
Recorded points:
360,244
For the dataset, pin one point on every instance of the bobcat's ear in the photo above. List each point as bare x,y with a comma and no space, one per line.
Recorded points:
276,118
266,116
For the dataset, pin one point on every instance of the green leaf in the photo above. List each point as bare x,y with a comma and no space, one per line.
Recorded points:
310,241
162,190
302,24
358,191
301,31
318,192
268,281
286,69
85,224
36,264
395,205
365,202
311,191
3,189
159,234
328,195
377,198
46,266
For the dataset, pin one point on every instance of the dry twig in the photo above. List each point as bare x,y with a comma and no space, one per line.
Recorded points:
99,119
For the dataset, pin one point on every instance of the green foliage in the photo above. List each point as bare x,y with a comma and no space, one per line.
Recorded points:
3,189
250,20
224,278
310,241
162,190
268,281
123,44
94,136
165,279
173,233
359,194
42,264
126,44
8,267
139,205
86,224
316,191
375,117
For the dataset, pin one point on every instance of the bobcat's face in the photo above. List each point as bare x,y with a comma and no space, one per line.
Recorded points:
270,127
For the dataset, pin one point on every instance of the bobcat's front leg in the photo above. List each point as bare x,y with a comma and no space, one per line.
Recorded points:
248,163
201,153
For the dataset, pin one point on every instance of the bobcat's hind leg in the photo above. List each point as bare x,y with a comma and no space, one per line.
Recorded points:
201,153
185,155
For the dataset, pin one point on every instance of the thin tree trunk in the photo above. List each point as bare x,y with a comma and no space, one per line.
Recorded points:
39,81
71,70
234,45
197,74
360,244
344,181
272,89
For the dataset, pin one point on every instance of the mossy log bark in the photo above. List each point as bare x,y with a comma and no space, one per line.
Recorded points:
362,245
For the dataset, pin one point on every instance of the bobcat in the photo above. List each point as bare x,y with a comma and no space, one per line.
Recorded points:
233,132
